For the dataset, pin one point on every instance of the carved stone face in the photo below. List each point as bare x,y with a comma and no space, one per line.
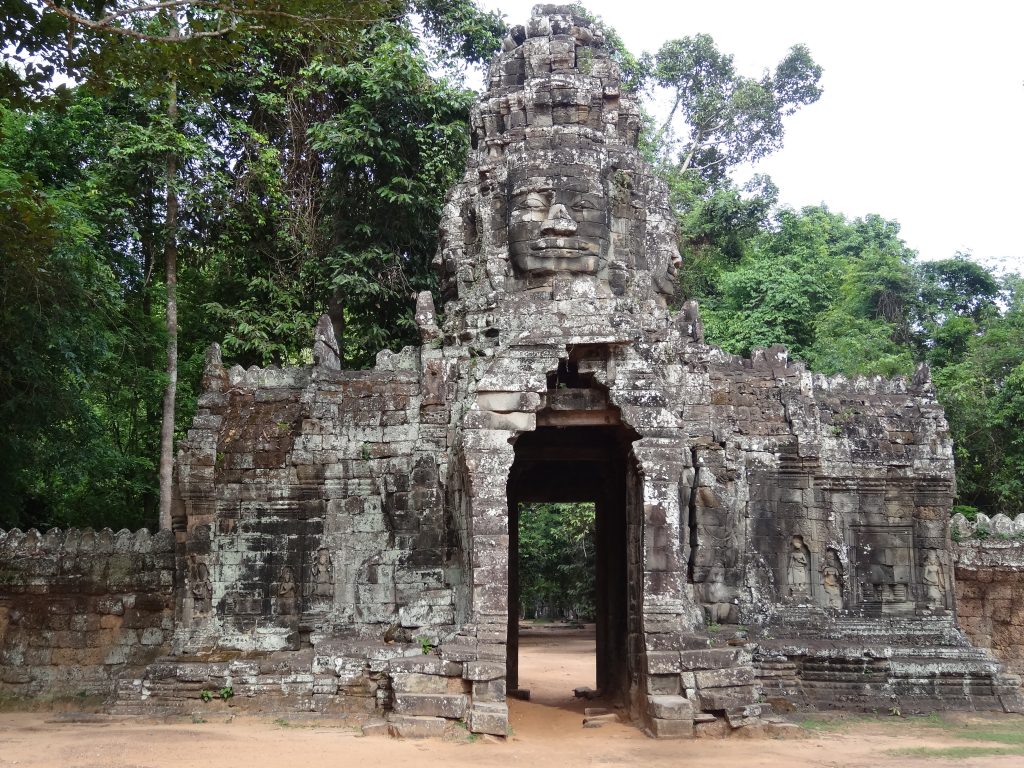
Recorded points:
557,224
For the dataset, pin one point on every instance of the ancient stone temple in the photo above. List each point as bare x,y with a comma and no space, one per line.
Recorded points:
346,542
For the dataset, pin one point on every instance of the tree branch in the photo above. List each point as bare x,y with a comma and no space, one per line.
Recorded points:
103,26
107,23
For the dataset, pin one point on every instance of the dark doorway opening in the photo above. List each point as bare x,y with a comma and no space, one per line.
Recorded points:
593,465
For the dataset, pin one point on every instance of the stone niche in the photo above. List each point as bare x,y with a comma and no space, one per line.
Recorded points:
765,534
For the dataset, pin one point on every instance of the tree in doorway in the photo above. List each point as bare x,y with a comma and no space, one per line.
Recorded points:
557,561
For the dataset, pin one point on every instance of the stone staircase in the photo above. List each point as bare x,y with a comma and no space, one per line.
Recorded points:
907,663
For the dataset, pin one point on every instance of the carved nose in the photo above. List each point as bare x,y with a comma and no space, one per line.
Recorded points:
558,222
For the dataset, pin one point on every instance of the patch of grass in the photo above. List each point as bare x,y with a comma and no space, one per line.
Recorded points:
834,724
1010,733
955,753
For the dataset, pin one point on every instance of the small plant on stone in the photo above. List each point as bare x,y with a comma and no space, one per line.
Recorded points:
585,60
226,692
364,452
425,645
206,695
714,627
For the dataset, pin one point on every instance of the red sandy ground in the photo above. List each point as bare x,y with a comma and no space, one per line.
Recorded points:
547,731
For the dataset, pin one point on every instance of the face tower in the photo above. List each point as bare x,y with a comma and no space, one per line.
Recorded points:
751,516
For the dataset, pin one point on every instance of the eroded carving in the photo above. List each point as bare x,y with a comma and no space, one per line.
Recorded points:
202,589
832,581
798,574
322,577
935,592
287,592
557,224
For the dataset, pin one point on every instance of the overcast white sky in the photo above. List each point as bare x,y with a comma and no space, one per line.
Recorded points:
922,118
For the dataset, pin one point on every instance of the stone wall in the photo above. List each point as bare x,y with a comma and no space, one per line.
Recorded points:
990,584
308,501
81,609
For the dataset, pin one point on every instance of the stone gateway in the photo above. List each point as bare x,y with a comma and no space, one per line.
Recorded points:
346,541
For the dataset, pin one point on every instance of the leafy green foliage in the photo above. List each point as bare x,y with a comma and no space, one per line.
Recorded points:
311,170
837,293
73,446
981,385
557,560
727,118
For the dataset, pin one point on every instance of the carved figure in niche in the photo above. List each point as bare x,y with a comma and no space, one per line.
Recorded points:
323,574
718,606
932,577
798,576
286,592
202,590
557,224
832,581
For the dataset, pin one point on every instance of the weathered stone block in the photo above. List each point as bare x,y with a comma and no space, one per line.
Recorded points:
719,678
718,699
670,707
418,683
410,727
489,690
489,718
451,706
482,671
671,729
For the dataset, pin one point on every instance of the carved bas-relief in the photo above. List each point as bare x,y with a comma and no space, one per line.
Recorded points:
201,588
763,533
798,573
931,576
322,581
718,597
287,598
832,581
884,575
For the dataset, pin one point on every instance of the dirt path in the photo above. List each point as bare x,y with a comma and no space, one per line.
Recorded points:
547,731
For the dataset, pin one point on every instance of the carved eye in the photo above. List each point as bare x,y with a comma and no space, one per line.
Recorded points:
532,202
583,205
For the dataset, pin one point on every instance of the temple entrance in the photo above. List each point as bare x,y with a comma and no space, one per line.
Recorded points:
582,465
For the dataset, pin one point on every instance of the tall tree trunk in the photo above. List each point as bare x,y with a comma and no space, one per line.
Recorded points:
171,261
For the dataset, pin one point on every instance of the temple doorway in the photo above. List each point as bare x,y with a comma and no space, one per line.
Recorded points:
578,471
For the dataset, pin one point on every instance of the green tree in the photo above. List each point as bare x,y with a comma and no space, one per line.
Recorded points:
557,560
74,450
727,118
259,218
719,119
837,293
980,381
